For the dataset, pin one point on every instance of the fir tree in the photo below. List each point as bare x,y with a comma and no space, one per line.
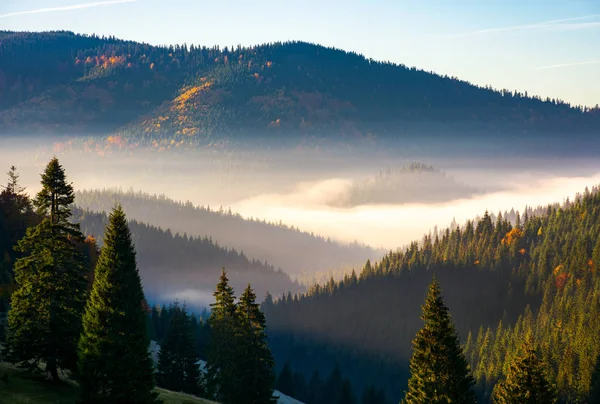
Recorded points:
346,395
439,370
45,319
177,359
114,360
285,380
222,369
257,375
525,382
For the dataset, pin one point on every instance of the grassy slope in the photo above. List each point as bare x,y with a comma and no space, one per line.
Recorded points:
27,389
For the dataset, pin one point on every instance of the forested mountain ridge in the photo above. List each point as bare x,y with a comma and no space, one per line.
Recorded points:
173,262
174,96
280,245
504,283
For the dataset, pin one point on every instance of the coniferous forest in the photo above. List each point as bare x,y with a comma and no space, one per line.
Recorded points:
374,336
117,297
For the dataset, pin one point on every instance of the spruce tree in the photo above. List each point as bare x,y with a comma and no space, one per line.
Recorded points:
255,360
114,360
222,369
285,380
346,395
45,320
525,381
439,370
177,360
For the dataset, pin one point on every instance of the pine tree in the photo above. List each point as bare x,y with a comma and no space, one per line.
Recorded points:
16,215
525,381
257,375
346,395
285,380
439,370
177,359
45,319
114,360
222,370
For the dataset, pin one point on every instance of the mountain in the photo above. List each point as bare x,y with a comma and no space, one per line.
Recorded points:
503,282
280,245
136,94
174,266
415,183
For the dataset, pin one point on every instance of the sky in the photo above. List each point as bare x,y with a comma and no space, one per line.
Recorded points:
545,47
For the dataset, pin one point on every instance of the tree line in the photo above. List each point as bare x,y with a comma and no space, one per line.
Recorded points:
91,323
269,89
533,280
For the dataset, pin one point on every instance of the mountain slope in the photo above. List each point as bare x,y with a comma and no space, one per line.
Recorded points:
279,245
502,282
62,83
174,266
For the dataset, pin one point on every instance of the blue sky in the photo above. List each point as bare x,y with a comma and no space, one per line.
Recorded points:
546,47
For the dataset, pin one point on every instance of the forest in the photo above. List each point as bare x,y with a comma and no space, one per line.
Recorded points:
505,283
505,295
80,316
132,95
278,244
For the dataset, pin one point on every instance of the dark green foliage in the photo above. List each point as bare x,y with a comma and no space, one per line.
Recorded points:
257,375
526,382
346,394
16,215
372,396
502,282
45,317
222,364
240,368
439,372
177,360
193,262
333,390
114,361
286,243
277,89
285,380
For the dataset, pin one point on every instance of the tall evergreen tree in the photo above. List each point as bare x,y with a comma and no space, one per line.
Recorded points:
525,381
114,360
222,370
16,215
257,374
439,370
346,395
285,380
45,319
177,360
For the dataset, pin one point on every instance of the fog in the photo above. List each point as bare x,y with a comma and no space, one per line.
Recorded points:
297,188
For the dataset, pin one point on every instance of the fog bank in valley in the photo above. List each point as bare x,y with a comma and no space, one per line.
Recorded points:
299,189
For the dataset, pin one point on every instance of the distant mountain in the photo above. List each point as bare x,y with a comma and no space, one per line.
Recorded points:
174,266
415,183
285,247
177,96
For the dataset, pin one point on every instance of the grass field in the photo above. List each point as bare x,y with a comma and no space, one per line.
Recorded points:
23,388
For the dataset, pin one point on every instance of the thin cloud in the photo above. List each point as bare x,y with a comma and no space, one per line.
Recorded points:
545,24
589,62
67,8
